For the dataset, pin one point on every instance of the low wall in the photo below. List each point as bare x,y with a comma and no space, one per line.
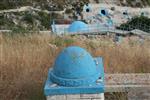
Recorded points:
137,87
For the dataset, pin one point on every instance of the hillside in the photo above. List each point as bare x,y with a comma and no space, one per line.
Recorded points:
60,4
26,15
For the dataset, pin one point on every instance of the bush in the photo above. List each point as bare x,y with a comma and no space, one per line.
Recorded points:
10,4
45,19
141,23
28,18
59,41
19,30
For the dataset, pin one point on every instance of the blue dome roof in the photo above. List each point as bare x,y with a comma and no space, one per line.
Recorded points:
78,26
74,63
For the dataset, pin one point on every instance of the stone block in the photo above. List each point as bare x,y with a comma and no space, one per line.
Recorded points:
92,96
77,97
57,97
73,97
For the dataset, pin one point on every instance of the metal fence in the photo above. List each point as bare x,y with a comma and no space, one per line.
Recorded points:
103,28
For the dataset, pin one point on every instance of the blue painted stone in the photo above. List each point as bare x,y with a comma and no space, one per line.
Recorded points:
53,27
110,22
103,12
78,26
75,71
87,8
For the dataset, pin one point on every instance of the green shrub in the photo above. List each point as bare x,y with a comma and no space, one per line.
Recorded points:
148,2
59,41
19,30
28,18
2,20
44,19
141,23
68,41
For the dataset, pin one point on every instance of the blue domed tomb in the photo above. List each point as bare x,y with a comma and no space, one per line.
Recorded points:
75,71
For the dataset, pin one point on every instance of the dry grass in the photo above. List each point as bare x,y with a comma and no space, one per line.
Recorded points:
24,60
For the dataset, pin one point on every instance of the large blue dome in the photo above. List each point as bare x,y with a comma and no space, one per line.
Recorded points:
74,63
75,71
78,26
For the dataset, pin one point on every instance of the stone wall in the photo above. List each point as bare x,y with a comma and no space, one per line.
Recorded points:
143,94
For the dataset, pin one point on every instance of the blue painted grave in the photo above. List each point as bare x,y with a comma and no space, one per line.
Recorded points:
75,71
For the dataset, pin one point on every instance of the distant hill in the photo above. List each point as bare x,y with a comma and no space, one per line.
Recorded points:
44,4
61,4
40,20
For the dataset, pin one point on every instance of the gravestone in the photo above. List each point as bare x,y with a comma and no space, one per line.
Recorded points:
75,75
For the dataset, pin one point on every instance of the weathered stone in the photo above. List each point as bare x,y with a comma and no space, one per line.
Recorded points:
92,96
57,97
139,95
77,97
73,97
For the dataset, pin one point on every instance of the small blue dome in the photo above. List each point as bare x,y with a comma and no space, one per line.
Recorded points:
78,26
74,63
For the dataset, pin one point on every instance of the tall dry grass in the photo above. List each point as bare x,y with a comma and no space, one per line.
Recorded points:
24,64
25,60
